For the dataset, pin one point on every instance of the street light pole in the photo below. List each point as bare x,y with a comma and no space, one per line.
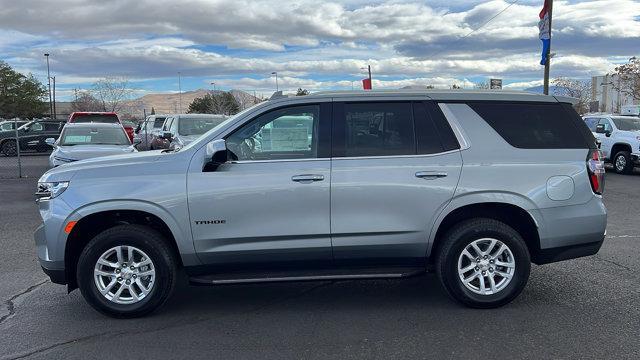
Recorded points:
276,74
180,91
214,86
49,81
55,113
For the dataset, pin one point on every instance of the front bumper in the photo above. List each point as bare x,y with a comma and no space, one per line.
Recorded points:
635,158
54,269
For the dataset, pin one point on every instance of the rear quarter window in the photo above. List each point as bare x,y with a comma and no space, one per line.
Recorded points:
535,125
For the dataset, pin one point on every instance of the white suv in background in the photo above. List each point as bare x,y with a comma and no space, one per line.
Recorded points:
620,139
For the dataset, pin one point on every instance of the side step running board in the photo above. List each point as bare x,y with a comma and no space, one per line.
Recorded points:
208,280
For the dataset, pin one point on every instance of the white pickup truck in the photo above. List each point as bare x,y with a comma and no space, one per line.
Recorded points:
619,137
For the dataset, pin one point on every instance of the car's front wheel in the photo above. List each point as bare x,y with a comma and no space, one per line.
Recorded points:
483,263
127,271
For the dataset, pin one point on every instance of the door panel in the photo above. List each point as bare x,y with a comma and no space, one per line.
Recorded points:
382,212
267,216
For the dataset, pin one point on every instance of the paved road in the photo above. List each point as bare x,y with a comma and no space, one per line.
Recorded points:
584,308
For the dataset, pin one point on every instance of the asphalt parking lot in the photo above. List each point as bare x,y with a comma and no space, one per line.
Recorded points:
583,308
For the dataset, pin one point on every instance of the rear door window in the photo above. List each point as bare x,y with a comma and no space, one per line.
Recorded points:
534,125
374,129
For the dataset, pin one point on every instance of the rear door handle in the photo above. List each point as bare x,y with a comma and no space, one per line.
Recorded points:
430,175
307,178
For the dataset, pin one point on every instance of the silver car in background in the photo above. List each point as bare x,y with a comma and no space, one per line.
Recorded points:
181,129
151,126
79,141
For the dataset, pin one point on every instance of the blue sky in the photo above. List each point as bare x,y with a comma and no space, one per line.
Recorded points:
311,44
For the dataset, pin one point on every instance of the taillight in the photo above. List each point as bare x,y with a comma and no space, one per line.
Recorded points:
595,168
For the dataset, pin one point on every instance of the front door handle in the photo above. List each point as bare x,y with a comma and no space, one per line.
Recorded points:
307,178
430,175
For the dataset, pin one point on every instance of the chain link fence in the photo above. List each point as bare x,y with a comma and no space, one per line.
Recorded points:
22,155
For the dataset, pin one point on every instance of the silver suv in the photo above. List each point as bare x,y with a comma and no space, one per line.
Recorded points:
343,185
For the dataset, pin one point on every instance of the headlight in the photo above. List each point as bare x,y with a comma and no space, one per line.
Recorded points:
49,190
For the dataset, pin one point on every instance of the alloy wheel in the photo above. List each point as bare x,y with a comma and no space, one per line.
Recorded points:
486,266
621,163
124,274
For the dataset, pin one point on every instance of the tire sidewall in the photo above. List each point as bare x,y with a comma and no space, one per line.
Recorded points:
518,249
5,148
131,236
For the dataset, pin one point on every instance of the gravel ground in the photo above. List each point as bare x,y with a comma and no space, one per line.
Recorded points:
583,308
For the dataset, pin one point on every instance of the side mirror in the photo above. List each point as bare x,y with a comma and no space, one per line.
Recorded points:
600,129
216,155
50,141
166,135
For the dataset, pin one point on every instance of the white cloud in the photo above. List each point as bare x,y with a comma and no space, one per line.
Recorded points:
240,40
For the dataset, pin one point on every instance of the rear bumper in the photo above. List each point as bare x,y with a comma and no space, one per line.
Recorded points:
551,255
568,232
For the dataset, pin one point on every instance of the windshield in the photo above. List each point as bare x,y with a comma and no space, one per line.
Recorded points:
198,125
93,136
627,123
96,118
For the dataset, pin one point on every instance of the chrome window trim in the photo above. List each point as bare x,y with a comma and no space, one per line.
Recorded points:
274,161
395,156
455,126
347,158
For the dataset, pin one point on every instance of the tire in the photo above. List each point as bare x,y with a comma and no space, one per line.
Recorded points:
150,245
9,148
450,258
622,163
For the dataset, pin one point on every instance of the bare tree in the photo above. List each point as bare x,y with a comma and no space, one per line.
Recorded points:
85,101
112,92
482,85
628,78
578,89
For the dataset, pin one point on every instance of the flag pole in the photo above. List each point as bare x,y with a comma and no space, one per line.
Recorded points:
547,64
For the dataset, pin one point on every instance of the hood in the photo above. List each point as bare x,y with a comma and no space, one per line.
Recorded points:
81,152
67,171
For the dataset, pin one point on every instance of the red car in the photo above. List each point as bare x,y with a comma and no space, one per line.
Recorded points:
100,117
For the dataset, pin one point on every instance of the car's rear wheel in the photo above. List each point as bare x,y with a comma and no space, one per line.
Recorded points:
483,263
9,148
622,162
127,271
